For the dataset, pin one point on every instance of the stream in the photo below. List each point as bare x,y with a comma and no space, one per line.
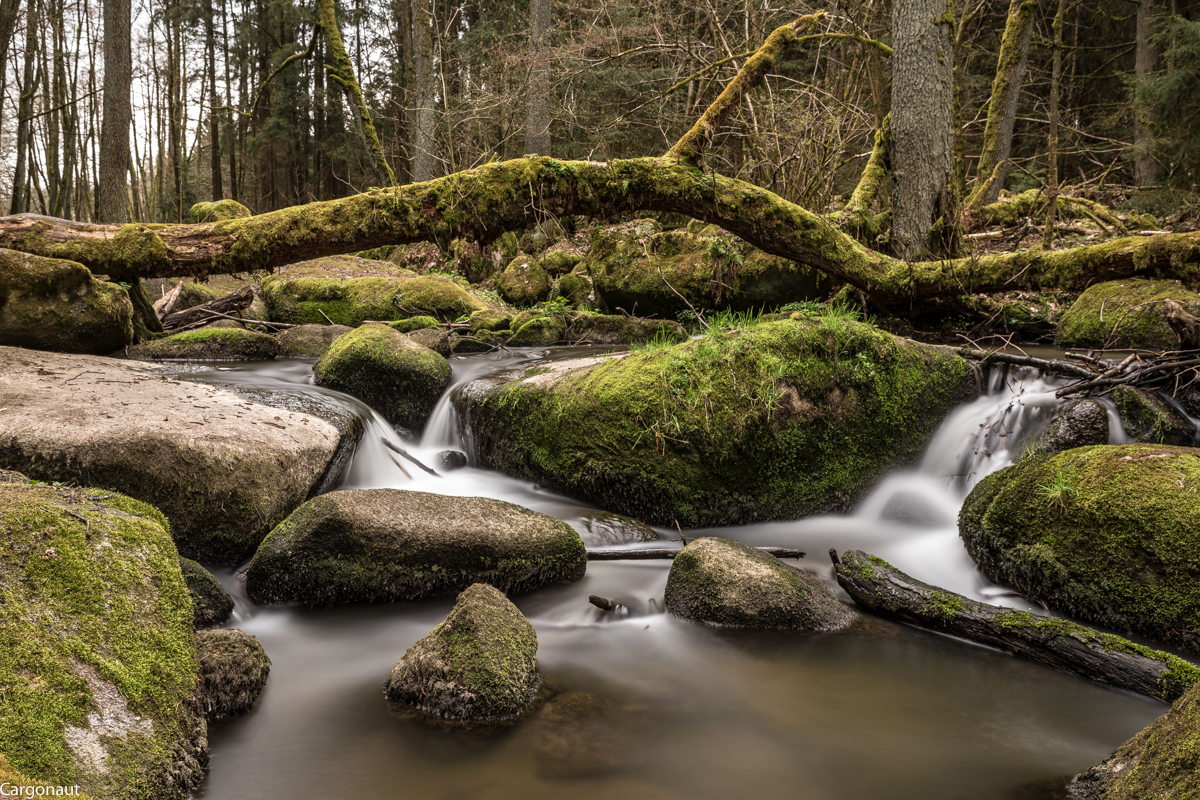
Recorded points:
884,712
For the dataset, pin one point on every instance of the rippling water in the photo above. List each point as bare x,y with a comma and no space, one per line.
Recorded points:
885,712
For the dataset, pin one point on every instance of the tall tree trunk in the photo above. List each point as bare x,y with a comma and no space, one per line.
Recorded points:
424,154
922,111
1002,109
402,91
1052,156
214,128
114,129
537,99
1145,167
25,113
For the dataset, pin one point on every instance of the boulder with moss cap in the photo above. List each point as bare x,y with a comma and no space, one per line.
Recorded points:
233,671
223,470
211,604
524,281
1128,313
387,544
97,655
1148,418
51,304
386,370
478,665
719,427
219,211
719,582
309,340
208,344
1106,534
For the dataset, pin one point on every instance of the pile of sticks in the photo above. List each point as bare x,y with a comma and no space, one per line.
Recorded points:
1171,370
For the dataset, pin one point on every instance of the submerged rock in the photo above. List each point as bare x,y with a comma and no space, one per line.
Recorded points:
51,304
389,544
1148,418
450,460
1128,313
223,470
211,604
602,529
309,340
1078,424
478,665
233,671
208,344
97,656
775,421
1106,534
576,737
390,372
726,583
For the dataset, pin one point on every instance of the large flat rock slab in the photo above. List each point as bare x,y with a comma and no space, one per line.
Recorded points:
223,470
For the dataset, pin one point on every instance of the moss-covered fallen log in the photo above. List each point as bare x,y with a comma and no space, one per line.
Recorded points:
880,588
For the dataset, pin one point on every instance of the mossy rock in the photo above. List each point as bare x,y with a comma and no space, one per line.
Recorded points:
490,319
50,304
223,470
624,263
233,671
1159,762
730,584
8,476
309,340
414,324
776,421
211,604
219,211
1137,305
524,281
352,290
558,262
209,344
619,329
1078,424
435,339
1148,418
573,288
1105,533
193,294
386,370
478,665
97,657
540,331
386,544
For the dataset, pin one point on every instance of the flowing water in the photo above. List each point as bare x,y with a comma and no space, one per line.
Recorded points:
885,712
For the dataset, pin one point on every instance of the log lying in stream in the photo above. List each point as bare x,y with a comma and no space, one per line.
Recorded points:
880,588
667,553
234,301
1056,367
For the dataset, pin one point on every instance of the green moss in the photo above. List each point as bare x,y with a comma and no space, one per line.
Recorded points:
943,605
414,324
1128,313
209,344
219,211
489,320
1148,418
539,331
1120,555
88,577
301,298
211,604
720,427
524,281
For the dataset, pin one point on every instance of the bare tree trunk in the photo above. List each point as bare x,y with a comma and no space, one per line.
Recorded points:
114,129
25,112
403,90
1145,167
922,110
214,128
1052,157
424,155
537,99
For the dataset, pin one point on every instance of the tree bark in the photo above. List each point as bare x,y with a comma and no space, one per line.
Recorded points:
25,112
880,588
1052,139
424,154
214,128
922,111
1145,167
238,300
537,100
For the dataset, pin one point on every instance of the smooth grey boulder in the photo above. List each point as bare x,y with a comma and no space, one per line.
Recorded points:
1078,424
211,604
450,460
719,582
368,545
233,671
478,665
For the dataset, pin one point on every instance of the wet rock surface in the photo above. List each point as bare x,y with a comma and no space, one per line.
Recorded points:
233,671
211,604
1078,424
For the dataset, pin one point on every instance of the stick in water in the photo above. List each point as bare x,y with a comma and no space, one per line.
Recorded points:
405,453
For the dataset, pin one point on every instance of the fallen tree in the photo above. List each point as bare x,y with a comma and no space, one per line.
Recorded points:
485,202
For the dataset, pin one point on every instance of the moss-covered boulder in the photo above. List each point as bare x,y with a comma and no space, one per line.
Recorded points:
1128,313
50,304
710,267
719,582
574,288
1107,534
386,544
193,294
775,421
414,324
219,211
233,671
223,470
351,290
211,604
618,329
1078,424
489,319
524,281
436,339
1159,762
387,370
208,344
1148,418
97,656
478,665
8,476
309,340
539,331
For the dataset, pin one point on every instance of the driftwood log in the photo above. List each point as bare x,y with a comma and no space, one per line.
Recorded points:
880,588
1056,367
667,553
234,301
